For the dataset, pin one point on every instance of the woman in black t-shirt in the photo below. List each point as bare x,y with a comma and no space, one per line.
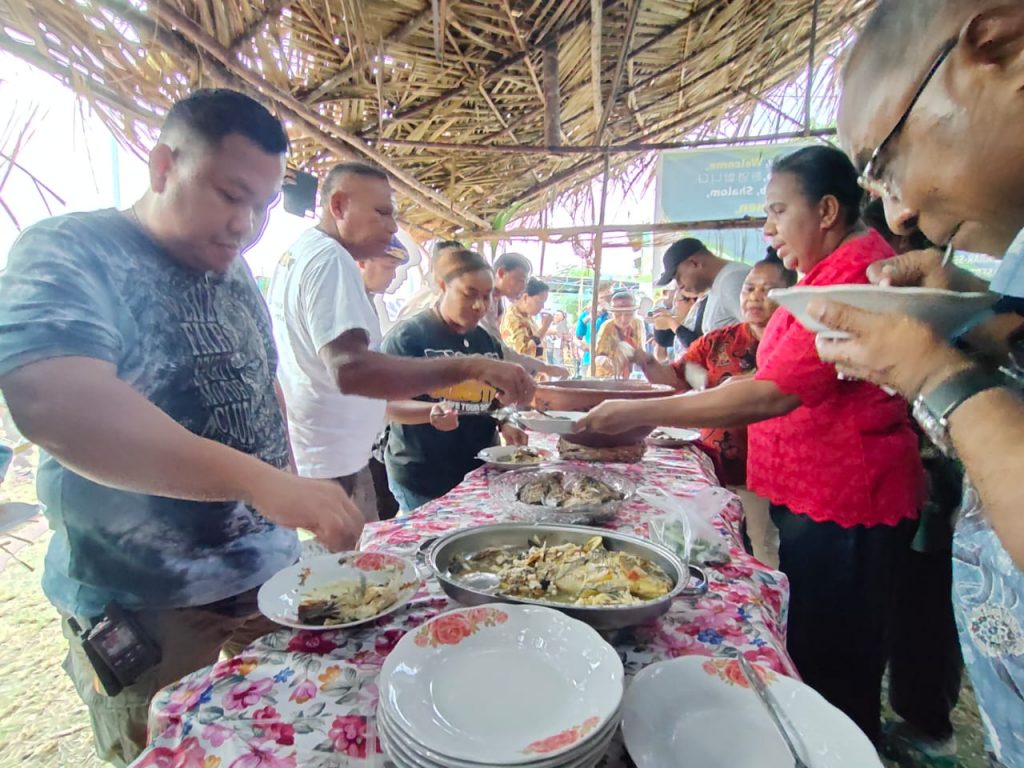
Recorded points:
431,447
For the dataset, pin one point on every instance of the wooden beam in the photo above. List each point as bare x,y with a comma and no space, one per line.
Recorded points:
810,65
272,9
555,234
596,41
592,149
439,12
552,96
598,243
396,35
332,137
620,67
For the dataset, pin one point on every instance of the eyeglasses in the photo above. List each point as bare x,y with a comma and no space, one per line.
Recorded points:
871,179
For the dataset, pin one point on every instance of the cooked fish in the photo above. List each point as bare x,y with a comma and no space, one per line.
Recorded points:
556,490
570,573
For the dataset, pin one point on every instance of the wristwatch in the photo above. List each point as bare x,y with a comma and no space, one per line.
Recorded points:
933,410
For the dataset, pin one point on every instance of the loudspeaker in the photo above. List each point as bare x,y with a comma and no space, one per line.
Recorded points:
299,192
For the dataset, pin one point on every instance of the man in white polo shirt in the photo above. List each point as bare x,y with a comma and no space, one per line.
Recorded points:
335,381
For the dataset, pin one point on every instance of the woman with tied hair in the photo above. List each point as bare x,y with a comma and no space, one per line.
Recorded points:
836,458
430,448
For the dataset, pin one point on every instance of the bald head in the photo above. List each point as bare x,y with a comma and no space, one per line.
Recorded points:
893,51
930,89
357,209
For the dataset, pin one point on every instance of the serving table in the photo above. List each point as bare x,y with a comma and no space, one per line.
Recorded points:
301,698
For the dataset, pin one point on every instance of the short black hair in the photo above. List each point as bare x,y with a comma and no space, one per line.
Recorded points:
536,286
442,245
771,259
510,262
213,114
823,171
453,264
354,168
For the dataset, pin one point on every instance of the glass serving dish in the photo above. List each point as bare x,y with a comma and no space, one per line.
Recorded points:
508,491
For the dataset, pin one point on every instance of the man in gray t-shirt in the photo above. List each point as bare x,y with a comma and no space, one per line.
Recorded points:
696,270
135,349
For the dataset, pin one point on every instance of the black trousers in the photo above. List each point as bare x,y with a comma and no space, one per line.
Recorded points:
925,663
387,507
841,589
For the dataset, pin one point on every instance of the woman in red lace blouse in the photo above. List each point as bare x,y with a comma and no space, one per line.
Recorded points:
837,459
724,354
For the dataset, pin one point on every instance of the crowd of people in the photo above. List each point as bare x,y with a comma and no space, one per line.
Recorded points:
189,429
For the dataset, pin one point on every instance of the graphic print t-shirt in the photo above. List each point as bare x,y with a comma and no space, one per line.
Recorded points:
423,459
199,347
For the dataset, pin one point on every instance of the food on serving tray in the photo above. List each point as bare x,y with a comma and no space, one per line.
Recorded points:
661,435
344,602
557,489
623,454
524,455
568,573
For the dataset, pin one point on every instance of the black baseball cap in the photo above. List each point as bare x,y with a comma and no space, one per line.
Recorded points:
676,254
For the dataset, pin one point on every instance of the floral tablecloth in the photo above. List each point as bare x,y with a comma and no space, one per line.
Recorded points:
300,698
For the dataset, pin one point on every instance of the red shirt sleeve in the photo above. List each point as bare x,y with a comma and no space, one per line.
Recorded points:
697,352
792,363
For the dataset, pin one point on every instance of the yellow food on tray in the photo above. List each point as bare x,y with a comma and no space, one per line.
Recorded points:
569,573
344,602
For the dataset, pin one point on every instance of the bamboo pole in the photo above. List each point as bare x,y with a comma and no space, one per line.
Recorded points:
620,68
596,20
593,149
552,97
556,233
810,65
598,237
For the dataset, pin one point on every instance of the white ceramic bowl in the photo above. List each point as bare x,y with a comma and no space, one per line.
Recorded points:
672,437
687,713
501,684
279,598
945,311
498,457
553,423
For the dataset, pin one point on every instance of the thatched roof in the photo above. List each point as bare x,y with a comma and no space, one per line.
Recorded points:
445,94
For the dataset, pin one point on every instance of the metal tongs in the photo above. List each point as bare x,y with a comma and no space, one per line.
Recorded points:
777,714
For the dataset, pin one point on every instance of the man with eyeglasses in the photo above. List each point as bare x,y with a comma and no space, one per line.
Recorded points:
932,127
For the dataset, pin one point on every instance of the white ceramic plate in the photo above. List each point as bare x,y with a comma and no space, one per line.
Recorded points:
499,456
672,437
279,598
562,423
945,311
501,684
687,712
411,753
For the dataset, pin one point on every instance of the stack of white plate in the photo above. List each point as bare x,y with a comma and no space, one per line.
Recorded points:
500,685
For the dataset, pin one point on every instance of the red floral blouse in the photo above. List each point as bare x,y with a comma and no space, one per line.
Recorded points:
848,454
724,353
